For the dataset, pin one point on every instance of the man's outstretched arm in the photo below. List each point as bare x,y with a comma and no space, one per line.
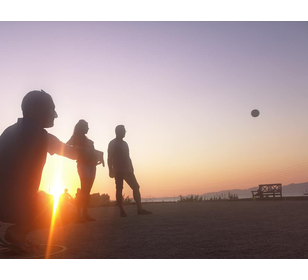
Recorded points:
55,146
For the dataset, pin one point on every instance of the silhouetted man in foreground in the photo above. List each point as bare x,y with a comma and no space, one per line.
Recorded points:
121,168
23,151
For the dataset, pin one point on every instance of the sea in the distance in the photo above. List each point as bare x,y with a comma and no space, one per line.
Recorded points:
177,198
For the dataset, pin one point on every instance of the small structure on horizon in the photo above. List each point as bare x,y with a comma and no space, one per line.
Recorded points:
267,190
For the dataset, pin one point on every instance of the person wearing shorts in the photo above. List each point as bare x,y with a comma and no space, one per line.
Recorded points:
121,169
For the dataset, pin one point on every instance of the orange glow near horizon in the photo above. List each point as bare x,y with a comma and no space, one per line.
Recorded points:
54,182
193,175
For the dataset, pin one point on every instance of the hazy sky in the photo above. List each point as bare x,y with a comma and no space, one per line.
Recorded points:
184,91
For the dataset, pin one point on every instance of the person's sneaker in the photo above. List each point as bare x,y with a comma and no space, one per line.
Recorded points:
123,214
144,212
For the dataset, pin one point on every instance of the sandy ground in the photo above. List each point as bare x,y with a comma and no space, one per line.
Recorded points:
207,230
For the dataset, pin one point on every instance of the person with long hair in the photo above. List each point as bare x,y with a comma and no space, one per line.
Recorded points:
86,166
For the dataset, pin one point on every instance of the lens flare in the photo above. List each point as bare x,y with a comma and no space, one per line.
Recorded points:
56,191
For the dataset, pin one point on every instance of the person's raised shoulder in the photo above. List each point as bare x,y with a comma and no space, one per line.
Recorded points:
112,142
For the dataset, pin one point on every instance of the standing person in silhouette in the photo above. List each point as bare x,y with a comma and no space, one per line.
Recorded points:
66,196
121,168
86,166
78,204
23,151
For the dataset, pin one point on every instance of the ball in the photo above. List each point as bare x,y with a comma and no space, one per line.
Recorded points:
255,113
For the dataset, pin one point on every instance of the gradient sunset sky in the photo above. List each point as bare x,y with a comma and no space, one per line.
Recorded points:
183,90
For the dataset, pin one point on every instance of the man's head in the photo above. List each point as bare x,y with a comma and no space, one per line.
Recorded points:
120,131
38,106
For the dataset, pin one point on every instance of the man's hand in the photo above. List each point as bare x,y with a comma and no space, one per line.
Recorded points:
111,173
101,162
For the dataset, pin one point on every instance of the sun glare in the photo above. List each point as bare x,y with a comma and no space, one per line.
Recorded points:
56,191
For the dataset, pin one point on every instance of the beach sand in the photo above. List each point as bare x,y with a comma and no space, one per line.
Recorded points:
199,230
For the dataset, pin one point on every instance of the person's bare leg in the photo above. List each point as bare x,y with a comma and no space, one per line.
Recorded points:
137,198
132,182
86,186
119,198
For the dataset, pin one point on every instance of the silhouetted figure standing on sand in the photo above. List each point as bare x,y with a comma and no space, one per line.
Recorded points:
86,166
23,151
66,196
121,168
78,203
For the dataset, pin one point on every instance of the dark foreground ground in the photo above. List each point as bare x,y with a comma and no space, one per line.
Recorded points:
206,230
